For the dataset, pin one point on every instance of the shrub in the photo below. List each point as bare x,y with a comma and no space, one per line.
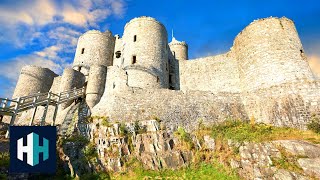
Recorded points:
105,121
314,124
123,130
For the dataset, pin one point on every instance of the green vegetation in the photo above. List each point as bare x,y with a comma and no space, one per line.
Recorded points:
185,138
314,124
241,131
287,162
212,170
4,159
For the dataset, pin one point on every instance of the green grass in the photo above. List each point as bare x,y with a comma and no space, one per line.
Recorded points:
241,131
203,171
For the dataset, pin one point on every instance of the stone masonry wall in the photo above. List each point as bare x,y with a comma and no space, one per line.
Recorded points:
288,104
176,108
215,74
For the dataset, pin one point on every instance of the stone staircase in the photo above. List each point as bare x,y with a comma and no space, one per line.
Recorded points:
76,119
68,125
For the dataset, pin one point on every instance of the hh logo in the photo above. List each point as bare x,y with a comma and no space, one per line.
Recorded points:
33,149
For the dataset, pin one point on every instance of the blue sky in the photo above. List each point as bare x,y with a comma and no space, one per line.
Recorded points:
45,32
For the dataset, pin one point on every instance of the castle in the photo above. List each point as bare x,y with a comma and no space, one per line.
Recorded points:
139,76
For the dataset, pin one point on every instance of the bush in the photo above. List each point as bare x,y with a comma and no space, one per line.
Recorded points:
314,124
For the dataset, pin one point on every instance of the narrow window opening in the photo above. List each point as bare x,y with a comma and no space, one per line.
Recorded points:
301,51
118,54
134,59
80,68
134,38
174,54
82,51
170,79
158,79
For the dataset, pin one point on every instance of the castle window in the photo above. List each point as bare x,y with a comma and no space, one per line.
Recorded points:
134,59
170,79
80,68
82,51
174,54
118,54
134,38
158,79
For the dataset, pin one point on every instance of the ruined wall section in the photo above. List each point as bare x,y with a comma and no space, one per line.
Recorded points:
96,84
215,73
269,52
94,48
146,53
32,80
176,108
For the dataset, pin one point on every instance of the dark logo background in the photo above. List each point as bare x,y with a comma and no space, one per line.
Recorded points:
47,166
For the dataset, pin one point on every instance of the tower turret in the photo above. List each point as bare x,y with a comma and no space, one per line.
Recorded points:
94,48
145,53
179,49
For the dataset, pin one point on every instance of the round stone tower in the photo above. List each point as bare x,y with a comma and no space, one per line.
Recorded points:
145,53
32,80
96,84
179,49
269,52
94,48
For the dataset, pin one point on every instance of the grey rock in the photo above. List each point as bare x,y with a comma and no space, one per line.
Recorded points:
299,148
310,166
209,142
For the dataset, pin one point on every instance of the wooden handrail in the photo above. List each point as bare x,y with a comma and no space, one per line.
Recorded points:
24,103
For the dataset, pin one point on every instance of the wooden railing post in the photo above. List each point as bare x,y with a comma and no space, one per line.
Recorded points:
43,118
56,110
34,110
13,118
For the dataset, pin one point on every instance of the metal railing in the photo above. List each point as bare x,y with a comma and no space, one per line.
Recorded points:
11,107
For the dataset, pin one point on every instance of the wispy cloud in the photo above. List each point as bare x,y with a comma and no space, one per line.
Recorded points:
51,26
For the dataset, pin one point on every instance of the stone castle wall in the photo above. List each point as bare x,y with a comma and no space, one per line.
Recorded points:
216,74
176,108
32,80
289,104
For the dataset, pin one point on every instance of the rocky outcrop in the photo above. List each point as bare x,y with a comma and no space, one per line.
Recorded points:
260,160
155,148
